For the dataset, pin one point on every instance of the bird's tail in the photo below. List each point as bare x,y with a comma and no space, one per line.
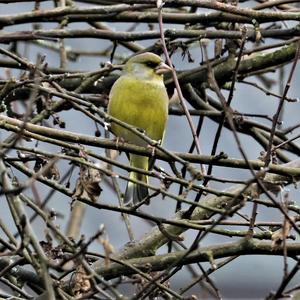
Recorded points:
136,192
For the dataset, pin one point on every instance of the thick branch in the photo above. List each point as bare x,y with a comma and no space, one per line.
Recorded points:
143,35
11,124
203,254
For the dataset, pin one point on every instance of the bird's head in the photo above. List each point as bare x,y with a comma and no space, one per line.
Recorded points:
146,66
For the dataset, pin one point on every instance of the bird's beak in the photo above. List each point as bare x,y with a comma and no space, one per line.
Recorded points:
162,68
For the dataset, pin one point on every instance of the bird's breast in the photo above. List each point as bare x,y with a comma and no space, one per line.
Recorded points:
140,103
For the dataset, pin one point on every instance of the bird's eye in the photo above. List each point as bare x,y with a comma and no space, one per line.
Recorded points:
151,64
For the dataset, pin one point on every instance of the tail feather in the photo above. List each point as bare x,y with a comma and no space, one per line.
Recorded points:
135,193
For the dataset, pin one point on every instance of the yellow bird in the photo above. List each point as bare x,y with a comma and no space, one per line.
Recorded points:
139,98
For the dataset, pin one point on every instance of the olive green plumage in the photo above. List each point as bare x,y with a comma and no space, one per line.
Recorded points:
139,98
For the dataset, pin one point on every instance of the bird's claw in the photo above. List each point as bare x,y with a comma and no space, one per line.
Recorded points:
152,150
119,140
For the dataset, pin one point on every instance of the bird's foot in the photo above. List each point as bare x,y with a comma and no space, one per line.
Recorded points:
152,150
119,140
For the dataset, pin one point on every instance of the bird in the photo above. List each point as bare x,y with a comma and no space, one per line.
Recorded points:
139,98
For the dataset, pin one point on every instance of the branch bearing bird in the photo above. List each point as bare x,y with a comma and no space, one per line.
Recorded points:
139,98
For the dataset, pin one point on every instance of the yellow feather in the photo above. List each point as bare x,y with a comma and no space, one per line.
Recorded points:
139,98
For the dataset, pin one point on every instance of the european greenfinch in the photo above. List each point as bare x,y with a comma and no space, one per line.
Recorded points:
139,98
